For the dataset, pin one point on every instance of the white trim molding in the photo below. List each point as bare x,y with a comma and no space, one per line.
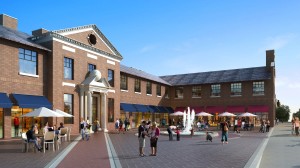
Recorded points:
111,62
26,74
68,84
68,48
112,91
91,56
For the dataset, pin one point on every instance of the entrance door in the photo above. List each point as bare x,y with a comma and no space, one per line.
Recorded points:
95,109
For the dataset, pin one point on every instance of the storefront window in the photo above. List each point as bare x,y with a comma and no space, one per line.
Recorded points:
1,122
25,123
111,111
68,103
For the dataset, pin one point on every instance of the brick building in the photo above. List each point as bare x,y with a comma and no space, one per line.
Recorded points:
78,70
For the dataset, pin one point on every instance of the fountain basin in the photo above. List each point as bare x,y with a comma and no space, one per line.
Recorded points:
188,133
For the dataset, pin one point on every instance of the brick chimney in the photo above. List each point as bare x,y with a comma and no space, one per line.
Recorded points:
39,32
270,58
8,21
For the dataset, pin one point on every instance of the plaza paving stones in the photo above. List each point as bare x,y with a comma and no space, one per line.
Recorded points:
189,152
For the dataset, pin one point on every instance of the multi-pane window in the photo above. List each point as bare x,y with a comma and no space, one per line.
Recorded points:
91,67
124,82
111,77
179,92
137,85
111,109
166,92
216,90
68,68
27,61
236,89
196,91
158,89
149,88
68,108
258,88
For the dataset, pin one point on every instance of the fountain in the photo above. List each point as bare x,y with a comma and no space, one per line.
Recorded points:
188,121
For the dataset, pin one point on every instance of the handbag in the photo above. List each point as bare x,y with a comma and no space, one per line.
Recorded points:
225,128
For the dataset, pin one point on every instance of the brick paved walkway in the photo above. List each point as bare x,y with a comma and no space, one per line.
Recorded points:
189,152
88,154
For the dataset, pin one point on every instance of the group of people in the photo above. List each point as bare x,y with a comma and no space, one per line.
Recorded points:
122,126
85,126
152,132
31,134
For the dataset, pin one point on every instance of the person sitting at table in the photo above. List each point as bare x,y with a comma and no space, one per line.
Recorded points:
61,125
46,128
32,138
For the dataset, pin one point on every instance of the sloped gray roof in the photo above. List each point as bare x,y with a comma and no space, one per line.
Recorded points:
142,74
234,75
19,37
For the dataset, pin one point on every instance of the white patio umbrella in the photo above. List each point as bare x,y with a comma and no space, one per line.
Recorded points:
203,114
227,114
247,114
42,112
177,113
63,113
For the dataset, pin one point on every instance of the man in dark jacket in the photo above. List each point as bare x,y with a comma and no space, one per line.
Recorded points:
32,138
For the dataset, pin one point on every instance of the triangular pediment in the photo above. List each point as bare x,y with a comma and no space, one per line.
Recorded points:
94,79
89,35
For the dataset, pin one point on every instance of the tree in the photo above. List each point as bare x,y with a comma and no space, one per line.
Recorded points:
283,113
297,114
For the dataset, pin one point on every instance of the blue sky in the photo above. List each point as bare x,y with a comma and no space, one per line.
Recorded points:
174,37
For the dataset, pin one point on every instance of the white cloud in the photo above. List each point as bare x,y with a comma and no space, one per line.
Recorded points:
278,42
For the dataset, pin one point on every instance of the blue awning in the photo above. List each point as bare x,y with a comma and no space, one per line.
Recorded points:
141,108
5,101
170,109
162,109
31,101
153,109
127,107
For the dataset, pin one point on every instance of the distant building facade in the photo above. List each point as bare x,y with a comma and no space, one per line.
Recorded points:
77,70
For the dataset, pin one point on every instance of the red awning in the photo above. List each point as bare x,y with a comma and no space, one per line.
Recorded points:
235,109
258,108
214,109
198,109
179,109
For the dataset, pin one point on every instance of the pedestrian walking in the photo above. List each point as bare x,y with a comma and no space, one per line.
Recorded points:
117,125
141,138
177,134
224,127
170,133
268,125
82,128
296,125
154,138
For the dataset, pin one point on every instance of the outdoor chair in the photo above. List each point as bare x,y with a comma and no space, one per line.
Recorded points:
68,134
25,143
49,139
63,134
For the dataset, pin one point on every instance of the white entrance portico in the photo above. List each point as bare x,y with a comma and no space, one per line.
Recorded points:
94,86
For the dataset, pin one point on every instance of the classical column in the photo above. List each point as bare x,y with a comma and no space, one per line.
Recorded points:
104,112
81,99
89,105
